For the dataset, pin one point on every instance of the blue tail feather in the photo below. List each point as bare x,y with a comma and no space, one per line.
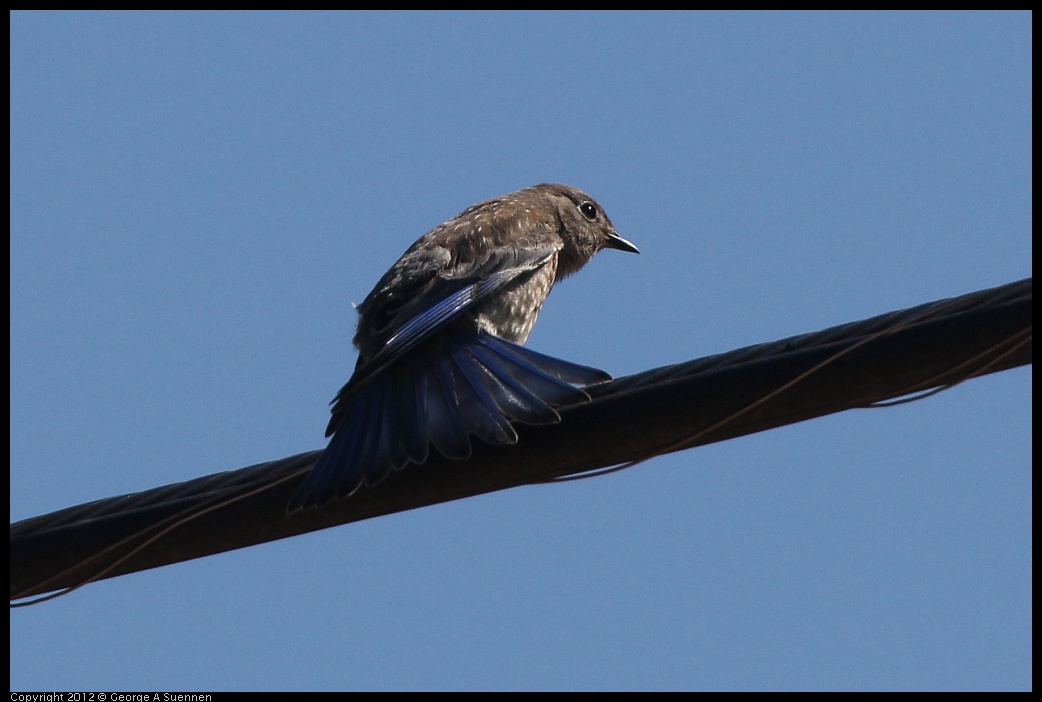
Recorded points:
444,418
438,395
411,391
552,368
475,388
514,393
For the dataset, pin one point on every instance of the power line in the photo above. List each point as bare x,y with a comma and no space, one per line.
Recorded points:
628,420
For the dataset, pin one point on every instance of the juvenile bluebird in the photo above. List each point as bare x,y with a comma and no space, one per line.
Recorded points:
439,340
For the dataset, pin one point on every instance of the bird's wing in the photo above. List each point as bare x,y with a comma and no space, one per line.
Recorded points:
441,300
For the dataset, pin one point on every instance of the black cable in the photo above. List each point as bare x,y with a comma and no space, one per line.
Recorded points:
631,419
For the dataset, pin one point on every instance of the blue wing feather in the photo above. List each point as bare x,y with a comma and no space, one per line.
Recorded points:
435,384
466,383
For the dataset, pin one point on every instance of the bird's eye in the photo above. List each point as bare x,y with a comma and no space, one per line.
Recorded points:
589,210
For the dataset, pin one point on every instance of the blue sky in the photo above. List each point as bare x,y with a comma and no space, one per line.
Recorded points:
197,199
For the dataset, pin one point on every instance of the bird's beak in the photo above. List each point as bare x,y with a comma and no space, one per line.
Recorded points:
617,242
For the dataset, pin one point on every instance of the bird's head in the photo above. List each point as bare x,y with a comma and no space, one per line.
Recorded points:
583,226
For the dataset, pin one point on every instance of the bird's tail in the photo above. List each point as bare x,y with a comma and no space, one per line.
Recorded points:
459,384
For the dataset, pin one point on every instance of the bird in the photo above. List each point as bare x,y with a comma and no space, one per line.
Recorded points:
440,340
